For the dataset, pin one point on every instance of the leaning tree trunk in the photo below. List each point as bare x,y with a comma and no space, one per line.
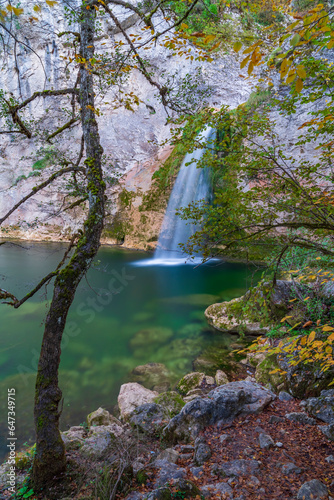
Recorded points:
50,452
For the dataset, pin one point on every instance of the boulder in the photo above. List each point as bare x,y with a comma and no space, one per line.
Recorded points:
313,490
74,438
221,378
131,396
192,381
99,440
281,293
266,441
185,487
328,430
167,472
238,468
221,404
321,407
214,489
159,494
228,317
171,402
285,396
154,376
301,418
203,452
149,418
290,468
101,417
264,375
169,455
304,379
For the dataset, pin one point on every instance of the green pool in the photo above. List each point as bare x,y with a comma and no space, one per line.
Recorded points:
124,315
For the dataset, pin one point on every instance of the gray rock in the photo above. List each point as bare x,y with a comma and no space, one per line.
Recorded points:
321,407
101,417
328,430
290,468
285,396
280,296
101,437
159,494
275,420
169,455
211,490
168,472
202,453
225,438
187,448
279,444
149,418
330,459
221,378
135,495
131,396
301,418
185,486
197,471
239,468
266,441
313,490
73,438
253,482
221,404
327,291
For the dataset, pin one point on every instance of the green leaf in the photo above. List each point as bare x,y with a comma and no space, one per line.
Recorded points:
295,40
237,46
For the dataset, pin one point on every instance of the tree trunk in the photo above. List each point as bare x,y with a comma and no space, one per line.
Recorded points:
50,451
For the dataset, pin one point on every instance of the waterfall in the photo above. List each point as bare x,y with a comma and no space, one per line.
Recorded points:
192,185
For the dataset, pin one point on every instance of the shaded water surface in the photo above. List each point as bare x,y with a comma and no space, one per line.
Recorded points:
123,316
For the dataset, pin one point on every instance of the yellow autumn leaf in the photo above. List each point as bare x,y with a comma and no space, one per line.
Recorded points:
303,341
330,338
285,318
327,329
51,3
299,85
209,38
330,44
301,71
237,46
17,11
250,68
311,337
37,8
244,62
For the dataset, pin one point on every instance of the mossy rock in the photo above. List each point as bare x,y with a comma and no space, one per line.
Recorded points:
171,401
190,381
263,375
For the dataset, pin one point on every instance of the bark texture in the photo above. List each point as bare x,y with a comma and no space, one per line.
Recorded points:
50,457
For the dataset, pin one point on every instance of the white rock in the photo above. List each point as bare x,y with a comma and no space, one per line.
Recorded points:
133,395
221,377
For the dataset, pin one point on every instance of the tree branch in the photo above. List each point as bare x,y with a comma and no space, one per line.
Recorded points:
41,186
64,127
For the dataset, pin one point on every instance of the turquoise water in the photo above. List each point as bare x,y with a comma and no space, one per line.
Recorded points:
123,316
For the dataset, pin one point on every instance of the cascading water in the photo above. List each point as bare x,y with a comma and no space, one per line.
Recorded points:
191,186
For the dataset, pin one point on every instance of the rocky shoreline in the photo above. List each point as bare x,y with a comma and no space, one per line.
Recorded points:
209,438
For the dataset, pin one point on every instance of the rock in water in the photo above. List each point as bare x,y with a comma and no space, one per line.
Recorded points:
133,395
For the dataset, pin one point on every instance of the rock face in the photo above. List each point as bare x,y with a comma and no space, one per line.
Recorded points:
129,138
221,404
237,468
133,395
